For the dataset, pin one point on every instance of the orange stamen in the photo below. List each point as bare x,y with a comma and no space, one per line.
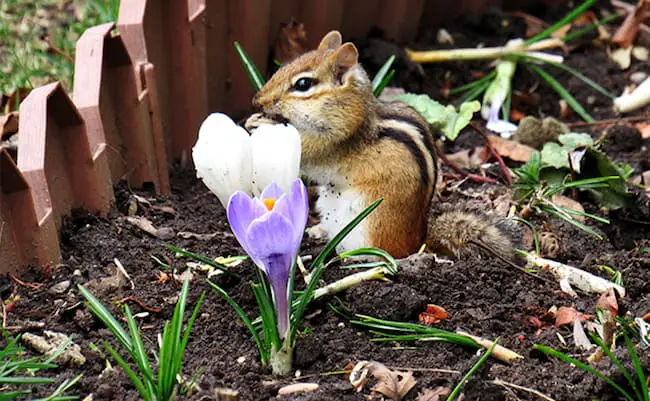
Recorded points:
269,203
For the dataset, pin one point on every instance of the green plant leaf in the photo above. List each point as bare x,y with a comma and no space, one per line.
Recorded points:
573,14
456,391
564,94
555,155
383,76
574,140
254,74
318,265
444,118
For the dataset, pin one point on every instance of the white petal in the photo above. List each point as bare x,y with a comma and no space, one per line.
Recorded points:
276,156
502,127
222,157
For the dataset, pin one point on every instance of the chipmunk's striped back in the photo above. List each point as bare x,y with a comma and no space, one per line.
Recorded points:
399,122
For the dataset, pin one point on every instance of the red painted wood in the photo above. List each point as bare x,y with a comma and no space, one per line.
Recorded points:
22,240
320,17
106,94
249,25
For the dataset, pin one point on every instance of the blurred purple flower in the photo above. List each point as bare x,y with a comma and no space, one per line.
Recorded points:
270,229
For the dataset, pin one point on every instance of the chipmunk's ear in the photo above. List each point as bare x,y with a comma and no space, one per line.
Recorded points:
346,56
331,41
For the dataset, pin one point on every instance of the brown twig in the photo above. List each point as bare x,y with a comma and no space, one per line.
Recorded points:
25,284
56,50
142,305
464,174
486,136
608,121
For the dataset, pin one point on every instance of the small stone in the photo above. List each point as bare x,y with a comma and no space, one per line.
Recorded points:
638,77
60,288
241,359
77,273
297,388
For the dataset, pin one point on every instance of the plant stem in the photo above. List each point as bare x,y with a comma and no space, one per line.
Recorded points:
350,281
486,53
281,360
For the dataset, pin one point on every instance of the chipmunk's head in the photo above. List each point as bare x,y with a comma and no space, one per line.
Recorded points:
324,93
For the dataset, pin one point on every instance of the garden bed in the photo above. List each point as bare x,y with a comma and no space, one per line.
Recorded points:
482,295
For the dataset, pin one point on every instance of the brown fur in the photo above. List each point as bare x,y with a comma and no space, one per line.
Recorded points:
341,131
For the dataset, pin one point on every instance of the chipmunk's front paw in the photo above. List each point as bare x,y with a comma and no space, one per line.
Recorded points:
257,119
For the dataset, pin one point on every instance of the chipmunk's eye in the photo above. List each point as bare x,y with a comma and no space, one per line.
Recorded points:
304,84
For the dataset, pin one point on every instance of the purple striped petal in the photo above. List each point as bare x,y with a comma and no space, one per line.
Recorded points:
273,191
241,212
295,207
271,240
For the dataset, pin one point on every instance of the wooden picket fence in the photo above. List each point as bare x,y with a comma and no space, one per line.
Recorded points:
142,88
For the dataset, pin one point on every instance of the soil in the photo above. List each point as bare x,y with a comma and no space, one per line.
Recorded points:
483,296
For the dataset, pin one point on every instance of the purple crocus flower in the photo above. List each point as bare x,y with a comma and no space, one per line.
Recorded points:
270,230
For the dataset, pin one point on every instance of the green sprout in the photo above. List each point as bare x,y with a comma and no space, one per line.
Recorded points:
494,84
12,365
456,391
163,386
639,383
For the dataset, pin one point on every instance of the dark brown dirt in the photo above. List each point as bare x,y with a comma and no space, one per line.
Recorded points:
483,296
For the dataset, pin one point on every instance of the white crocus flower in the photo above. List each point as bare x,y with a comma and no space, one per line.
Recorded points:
276,156
227,159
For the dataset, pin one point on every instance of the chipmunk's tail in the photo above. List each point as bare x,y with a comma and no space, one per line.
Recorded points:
461,233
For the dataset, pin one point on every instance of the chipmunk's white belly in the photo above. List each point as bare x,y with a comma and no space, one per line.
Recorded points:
337,209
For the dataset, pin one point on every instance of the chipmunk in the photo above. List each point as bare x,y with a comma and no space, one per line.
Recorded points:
359,149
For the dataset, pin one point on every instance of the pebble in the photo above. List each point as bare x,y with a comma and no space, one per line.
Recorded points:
60,288
638,77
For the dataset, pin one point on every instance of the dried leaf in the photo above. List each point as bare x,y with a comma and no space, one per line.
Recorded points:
433,315
510,149
644,129
147,226
568,203
8,125
392,384
516,115
629,29
291,41
608,302
433,395
566,315
468,159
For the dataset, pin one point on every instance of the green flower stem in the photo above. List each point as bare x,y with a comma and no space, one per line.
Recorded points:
281,360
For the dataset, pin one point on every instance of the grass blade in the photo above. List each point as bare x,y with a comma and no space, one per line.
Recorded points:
616,362
392,263
557,87
98,309
578,33
637,367
129,372
383,76
200,258
587,368
565,20
473,84
254,75
139,355
456,391
318,264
